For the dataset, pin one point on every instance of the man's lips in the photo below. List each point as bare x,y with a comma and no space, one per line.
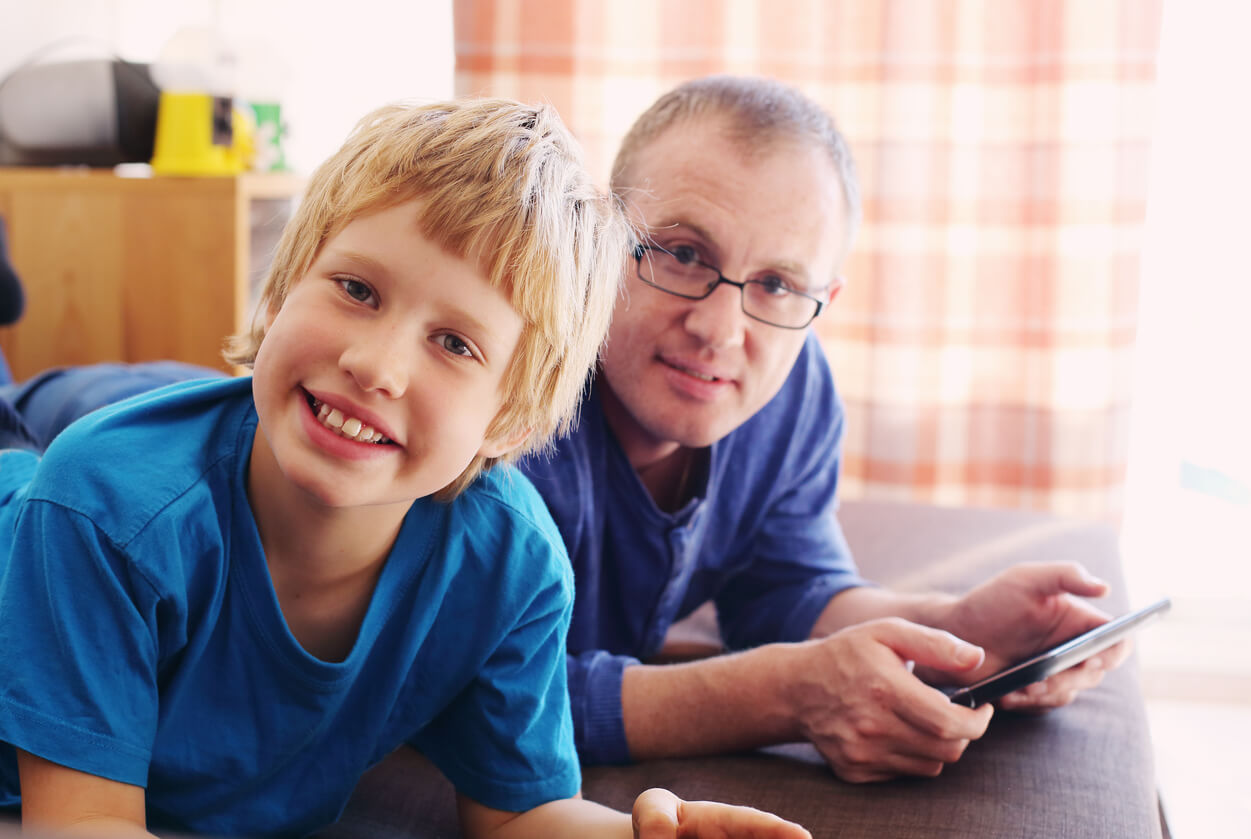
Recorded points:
694,381
696,371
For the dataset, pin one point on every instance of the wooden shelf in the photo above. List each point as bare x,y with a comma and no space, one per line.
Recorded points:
135,269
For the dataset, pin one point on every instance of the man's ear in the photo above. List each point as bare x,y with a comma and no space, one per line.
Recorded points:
493,447
833,289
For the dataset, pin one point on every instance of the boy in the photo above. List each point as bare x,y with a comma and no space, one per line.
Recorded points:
226,599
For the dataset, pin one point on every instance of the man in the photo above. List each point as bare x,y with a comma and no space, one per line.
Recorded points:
705,466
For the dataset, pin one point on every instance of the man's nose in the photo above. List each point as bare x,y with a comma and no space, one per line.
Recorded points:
718,320
380,360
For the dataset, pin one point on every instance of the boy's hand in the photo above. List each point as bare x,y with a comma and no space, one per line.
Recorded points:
659,814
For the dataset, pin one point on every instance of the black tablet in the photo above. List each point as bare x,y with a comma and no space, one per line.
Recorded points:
1060,657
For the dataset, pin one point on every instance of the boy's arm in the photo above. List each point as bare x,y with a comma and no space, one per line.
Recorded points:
60,801
658,814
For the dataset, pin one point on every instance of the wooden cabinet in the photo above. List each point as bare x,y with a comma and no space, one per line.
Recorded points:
135,269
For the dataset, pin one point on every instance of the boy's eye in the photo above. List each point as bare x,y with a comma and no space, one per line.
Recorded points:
455,345
356,289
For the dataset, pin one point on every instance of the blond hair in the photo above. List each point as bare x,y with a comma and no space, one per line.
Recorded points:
758,114
502,185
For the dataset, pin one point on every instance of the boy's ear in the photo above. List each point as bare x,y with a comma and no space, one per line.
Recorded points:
499,446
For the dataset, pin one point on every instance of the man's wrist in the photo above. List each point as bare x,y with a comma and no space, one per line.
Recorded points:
865,603
726,703
936,609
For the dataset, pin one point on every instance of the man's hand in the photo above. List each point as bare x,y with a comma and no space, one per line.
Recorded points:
859,703
659,814
852,694
1024,610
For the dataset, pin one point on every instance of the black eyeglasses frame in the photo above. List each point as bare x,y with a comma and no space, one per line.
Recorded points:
640,250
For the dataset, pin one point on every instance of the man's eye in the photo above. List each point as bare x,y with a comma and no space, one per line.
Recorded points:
455,345
356,289
774,285
685,254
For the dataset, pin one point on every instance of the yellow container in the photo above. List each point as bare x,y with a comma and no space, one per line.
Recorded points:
199,134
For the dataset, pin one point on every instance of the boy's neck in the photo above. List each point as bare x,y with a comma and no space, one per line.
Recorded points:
324,562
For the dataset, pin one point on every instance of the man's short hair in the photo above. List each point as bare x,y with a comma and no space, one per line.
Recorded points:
758,114
502,185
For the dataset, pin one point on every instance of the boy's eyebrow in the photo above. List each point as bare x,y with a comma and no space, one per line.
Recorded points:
362,259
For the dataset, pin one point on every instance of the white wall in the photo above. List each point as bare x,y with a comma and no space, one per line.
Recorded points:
1187,528
341,59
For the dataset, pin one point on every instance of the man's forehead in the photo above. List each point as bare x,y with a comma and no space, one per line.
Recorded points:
681,171
781,203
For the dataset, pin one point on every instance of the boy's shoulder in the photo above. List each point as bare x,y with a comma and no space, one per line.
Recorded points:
122,464
500,517
507,489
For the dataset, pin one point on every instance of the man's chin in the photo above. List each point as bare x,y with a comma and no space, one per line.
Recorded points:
696,435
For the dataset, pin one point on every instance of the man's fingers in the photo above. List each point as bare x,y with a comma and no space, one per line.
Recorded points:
917,755
1062,578
936,715
927,646
1063,687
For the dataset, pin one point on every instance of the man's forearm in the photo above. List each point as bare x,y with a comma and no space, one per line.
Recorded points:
863,603
743,700
716,705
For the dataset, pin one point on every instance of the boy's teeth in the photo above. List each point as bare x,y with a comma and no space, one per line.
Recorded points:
349,427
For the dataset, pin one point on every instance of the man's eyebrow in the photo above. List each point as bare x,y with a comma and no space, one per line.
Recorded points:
795,269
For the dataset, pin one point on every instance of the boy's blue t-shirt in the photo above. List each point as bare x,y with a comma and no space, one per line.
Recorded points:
141,639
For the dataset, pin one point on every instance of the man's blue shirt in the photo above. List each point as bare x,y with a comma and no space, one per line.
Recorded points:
760,539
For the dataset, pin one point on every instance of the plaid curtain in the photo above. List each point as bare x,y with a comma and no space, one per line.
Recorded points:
985,338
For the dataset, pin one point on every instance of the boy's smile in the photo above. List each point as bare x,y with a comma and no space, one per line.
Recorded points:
346,431
381,372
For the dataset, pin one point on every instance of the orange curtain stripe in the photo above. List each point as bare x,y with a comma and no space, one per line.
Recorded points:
984,342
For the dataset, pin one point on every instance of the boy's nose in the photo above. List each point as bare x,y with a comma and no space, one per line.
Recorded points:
718,320
379,360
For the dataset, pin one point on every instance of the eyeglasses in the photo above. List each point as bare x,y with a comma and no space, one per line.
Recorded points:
682,273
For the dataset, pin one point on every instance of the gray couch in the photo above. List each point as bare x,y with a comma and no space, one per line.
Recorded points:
1083,771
